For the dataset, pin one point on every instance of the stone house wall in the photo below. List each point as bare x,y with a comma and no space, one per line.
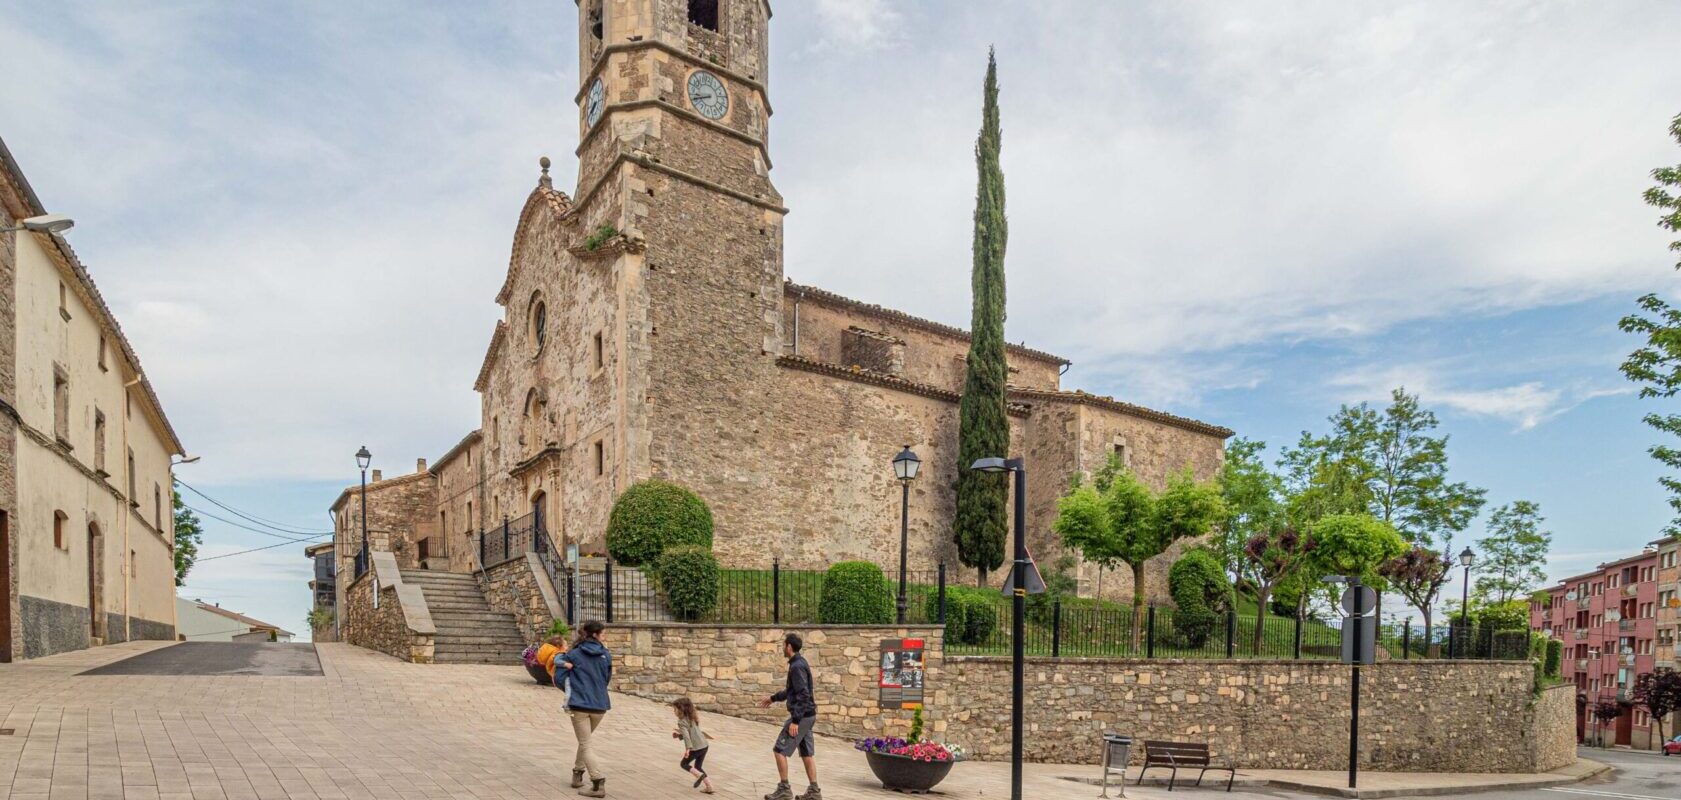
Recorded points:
13,206
400,625
401,511
520,587
728,669
1416,716
460,489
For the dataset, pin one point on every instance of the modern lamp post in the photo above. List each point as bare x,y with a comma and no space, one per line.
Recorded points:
362,459
1018,611
1465,559
905,467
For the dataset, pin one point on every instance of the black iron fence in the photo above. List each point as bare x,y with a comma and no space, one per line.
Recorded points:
979,621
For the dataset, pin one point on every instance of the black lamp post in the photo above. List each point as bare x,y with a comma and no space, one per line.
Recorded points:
1465,559
905,467
1018,611
362,459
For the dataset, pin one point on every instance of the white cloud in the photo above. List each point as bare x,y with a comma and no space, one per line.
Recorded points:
866,24
1525,404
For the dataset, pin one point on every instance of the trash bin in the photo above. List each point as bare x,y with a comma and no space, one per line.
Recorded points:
1117,750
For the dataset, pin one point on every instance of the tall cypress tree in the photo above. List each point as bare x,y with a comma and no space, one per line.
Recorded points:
983,428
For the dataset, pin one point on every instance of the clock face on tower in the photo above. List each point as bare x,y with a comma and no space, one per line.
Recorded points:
708,96
596,102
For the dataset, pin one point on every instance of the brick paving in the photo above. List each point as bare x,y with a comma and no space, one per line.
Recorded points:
374,728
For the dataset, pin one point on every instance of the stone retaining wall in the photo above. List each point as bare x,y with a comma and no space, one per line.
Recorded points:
400,625
520,587
1416,716
728,669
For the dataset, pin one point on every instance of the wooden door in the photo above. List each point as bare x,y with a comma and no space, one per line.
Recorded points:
1625,728
5,589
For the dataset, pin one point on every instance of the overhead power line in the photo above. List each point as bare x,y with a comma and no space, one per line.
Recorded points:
276,526
288,537
252,550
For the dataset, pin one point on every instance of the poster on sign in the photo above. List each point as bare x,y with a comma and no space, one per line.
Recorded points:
902,677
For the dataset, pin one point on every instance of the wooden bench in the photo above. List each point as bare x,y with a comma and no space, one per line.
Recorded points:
1174,755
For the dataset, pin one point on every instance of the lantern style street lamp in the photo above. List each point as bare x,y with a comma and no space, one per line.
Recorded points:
1018,610
363,457
905,467
1465,559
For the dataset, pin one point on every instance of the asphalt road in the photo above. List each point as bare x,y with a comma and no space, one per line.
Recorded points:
219,658
1633,776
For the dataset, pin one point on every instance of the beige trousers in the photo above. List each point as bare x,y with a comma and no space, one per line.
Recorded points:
583,725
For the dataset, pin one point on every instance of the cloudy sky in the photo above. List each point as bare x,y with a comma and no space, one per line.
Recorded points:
1247,213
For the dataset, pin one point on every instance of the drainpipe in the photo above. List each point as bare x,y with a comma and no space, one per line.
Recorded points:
127,512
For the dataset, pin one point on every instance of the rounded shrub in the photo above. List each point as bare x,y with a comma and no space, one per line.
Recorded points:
1200,589
971,616
688,577
654,515
855,593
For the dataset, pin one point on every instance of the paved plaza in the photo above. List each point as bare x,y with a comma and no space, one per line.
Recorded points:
370,726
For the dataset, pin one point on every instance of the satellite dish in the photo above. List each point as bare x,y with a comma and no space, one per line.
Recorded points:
1570,595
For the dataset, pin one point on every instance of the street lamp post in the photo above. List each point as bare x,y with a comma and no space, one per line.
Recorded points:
905,467
362,459
1465,559
1018,610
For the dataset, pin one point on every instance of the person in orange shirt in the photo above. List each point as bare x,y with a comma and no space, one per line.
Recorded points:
553,647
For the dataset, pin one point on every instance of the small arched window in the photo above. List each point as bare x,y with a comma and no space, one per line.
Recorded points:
539,316
61,520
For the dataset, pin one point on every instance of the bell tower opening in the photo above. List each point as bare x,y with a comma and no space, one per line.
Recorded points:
704,13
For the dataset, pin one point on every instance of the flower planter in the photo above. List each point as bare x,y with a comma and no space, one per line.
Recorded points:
538,674
905,774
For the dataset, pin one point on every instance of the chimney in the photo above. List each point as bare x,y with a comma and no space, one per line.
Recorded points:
420,465
376,476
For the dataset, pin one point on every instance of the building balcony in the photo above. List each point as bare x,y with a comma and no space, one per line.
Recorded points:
1583,601
1625,624
1625,660
1581,665
1631,590
1581,633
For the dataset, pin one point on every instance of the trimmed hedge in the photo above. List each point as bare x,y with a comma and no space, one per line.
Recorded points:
653,516
855,593
1555,658
971,615
688,576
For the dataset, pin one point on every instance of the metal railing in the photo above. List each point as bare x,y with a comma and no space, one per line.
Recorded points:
1581,633
1625,624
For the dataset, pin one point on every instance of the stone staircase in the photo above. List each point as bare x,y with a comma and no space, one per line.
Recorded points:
469,630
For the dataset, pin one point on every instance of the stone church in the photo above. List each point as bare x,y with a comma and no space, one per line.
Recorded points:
648,330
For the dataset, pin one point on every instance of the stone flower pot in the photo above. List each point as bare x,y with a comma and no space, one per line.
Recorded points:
904,774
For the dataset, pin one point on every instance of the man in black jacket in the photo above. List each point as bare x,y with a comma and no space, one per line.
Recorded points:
796,732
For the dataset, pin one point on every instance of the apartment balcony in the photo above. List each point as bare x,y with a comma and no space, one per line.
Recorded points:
1625,624
1547,616
1581,665
1631,590
1625,660
1581,633
1583,601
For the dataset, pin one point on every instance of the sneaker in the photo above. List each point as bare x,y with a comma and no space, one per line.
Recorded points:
811,793
783,792
598,788
577,779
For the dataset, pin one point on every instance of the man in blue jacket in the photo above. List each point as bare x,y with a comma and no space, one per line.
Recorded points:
584,672
796,733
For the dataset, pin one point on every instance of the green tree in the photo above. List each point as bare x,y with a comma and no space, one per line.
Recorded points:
983,427
1514,552
1253,497
1656,366
188,535
1355,544
1127,523
1659,692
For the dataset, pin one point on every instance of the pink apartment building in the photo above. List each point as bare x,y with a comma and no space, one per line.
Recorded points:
1607,620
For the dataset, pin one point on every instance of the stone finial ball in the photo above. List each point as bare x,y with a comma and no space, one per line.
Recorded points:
544,163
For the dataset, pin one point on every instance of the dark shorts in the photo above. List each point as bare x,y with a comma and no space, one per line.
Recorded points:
802,740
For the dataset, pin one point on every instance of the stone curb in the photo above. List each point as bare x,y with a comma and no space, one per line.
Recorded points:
1594,770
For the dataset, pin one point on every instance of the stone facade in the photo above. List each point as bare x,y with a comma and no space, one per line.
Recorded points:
520,587
728,669
1416,716
460,480
648,331
401,512
399,624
